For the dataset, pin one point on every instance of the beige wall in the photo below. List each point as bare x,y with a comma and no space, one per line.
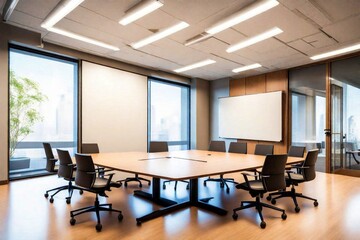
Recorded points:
7,34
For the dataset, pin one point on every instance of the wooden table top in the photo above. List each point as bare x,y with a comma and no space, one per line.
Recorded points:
180,165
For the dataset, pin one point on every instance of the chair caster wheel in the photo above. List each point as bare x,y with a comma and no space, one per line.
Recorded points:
221,185
72,221
68,200
140,185
187,187
204,183
46,195
228,190
164,187
120,217
98,227
235,216
297,209
138,223
283,216
149,183
316,203
125,184
81,192
51,200
263,224
268,198
273,201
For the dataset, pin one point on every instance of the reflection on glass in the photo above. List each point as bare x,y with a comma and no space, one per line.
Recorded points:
57,79
169,114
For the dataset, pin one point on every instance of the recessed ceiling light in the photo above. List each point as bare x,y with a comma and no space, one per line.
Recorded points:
161,34
195,65
245,68
258,38
139,10
82,38
244,14
61,10
336,52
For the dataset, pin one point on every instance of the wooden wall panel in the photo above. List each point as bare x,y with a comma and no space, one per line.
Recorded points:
270,82
237,87
256,84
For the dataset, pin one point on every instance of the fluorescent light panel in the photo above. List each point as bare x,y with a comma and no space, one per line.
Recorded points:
140,10
245,68
199,38
195,65
159,35
60,11
244,14
82,38
258,38
336,52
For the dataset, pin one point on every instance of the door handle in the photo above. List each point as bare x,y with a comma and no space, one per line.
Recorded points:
327,131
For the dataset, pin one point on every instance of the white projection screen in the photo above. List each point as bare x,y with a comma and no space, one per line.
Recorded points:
251,117
114,108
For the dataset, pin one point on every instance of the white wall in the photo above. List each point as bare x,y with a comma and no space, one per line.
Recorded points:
114,108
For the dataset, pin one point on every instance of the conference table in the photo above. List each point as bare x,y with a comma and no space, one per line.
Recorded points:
179,165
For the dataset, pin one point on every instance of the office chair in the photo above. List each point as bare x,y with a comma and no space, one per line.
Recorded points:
89,148
163,147
264,149
238,147
306,174
295,151
351,152
66,171
272,178
50,159
219,146
86,178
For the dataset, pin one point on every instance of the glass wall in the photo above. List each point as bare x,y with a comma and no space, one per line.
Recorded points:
308,106
345,79
43,108
169,114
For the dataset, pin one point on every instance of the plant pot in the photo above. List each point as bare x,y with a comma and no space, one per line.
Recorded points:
17,163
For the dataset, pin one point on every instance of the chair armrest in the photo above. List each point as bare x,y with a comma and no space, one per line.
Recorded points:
53,159
248,174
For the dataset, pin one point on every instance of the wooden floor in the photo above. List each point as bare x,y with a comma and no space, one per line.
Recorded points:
26,214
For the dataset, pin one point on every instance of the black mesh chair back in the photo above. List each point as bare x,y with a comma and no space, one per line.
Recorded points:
309,172
50,159
264,149
84,166
296,151
88,148
238,147
217,146
158,147
273,172
66,167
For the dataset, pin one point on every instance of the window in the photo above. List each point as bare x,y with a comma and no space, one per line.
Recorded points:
169,113
55,113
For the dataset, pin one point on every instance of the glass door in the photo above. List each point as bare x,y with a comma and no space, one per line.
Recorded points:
337,155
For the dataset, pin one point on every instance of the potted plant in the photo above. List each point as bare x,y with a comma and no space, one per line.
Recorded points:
25,98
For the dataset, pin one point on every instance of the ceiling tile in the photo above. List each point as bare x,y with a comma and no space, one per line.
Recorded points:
301,46
345,30
319,40
339,10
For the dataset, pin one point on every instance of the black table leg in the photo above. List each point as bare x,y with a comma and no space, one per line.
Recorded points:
155,195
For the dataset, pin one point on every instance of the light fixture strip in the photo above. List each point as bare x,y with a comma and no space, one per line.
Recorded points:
82,38
246,13
140,10
199,38
159,35
195,65
337,52
245,68
60,11
258,38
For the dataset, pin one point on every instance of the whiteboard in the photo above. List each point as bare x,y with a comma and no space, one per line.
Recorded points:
114,108
251,117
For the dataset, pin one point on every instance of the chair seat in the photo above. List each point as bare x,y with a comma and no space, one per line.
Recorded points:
254,185
100,183
295,176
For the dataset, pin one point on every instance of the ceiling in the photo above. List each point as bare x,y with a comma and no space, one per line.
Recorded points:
310,27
